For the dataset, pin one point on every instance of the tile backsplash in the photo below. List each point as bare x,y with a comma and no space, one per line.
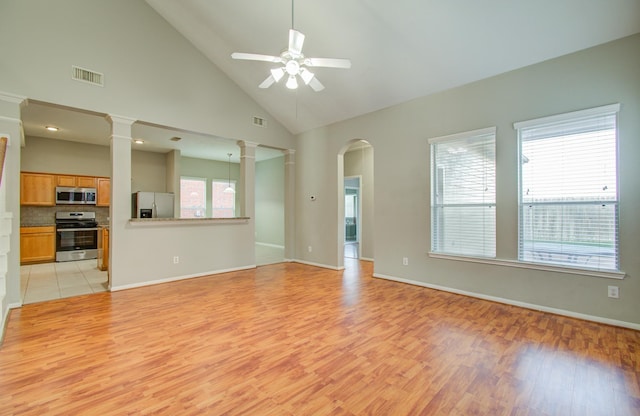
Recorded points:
39,216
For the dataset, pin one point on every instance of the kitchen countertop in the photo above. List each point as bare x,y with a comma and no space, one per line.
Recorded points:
186,221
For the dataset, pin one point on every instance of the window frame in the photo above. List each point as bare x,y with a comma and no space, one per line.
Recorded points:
225,182
194,178
434,166
550,121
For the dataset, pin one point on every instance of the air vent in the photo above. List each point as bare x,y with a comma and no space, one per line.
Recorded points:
260,122
87,75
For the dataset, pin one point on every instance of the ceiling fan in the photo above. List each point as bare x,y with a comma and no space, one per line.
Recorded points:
294,63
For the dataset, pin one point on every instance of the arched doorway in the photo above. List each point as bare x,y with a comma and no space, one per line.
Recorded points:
355,201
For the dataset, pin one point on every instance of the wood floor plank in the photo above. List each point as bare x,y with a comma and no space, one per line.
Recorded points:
292,339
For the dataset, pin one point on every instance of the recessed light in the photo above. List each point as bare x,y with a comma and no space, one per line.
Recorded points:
138,141
51,128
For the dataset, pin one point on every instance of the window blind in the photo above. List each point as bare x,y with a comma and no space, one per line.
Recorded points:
463,217
569,190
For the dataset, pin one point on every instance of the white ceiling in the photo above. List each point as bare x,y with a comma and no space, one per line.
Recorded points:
400,50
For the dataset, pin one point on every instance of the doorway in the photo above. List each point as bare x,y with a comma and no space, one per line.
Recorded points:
355,230
352,217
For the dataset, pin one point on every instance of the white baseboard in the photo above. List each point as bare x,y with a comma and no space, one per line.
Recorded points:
310,263
5,319
176,278
270,245
525,305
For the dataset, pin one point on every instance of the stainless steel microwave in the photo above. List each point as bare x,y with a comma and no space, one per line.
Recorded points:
75,196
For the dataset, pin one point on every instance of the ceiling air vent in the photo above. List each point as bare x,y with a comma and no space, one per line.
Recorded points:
87,75
260,122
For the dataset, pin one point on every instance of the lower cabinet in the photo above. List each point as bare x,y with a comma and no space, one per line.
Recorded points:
103,249
37,244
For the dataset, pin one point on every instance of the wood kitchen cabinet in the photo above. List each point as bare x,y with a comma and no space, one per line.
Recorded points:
104,192
76,181
37,244
37,189
103,249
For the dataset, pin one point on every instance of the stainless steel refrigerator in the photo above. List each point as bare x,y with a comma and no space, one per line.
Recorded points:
152,205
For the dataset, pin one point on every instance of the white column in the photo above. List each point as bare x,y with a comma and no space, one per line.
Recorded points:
11,128
289,204
247,189
120,204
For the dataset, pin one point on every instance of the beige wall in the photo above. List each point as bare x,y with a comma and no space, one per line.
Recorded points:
270,201
598,76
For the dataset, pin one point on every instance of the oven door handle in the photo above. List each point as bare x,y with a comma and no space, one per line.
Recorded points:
77,229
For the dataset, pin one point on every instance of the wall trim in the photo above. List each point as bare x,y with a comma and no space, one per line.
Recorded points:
5,319
525,305
270,245
177,278
310,263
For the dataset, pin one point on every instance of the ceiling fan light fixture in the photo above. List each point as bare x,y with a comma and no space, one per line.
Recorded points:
277,73
306,75
292,83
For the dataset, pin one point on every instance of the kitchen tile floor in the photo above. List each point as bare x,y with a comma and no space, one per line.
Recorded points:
48,281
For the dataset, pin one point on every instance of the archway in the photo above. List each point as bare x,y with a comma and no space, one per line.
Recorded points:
355,201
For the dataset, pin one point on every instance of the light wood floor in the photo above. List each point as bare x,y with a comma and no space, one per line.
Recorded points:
291,339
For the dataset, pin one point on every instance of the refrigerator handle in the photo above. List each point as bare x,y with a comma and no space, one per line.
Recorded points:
154,210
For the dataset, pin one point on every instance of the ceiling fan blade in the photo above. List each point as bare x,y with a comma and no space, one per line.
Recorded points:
328,62
255,57
267,82
296,40
316,85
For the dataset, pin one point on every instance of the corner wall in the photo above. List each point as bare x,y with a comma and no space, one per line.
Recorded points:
605,74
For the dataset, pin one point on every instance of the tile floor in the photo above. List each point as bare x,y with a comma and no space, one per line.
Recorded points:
48,281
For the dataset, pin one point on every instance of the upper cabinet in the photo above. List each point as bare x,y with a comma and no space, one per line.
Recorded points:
40,188
76,181
37,189
104,192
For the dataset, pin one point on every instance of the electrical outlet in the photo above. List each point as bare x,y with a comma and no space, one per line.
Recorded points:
613,292
176,259
405,261
310,249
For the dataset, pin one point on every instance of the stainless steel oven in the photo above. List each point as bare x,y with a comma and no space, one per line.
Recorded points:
76,236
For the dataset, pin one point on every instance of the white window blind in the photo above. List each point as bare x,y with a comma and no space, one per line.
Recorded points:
569,190
463,215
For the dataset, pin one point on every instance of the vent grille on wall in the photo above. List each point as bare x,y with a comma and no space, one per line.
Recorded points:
87,75
260,122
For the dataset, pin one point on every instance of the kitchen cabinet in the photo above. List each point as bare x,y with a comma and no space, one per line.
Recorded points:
104,192
37,189
103,249
37,244
76,181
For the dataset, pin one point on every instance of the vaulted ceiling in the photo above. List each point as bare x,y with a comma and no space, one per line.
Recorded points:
400,50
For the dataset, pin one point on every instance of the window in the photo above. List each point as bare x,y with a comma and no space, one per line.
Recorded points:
568,196
463,194
223,203
193,197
